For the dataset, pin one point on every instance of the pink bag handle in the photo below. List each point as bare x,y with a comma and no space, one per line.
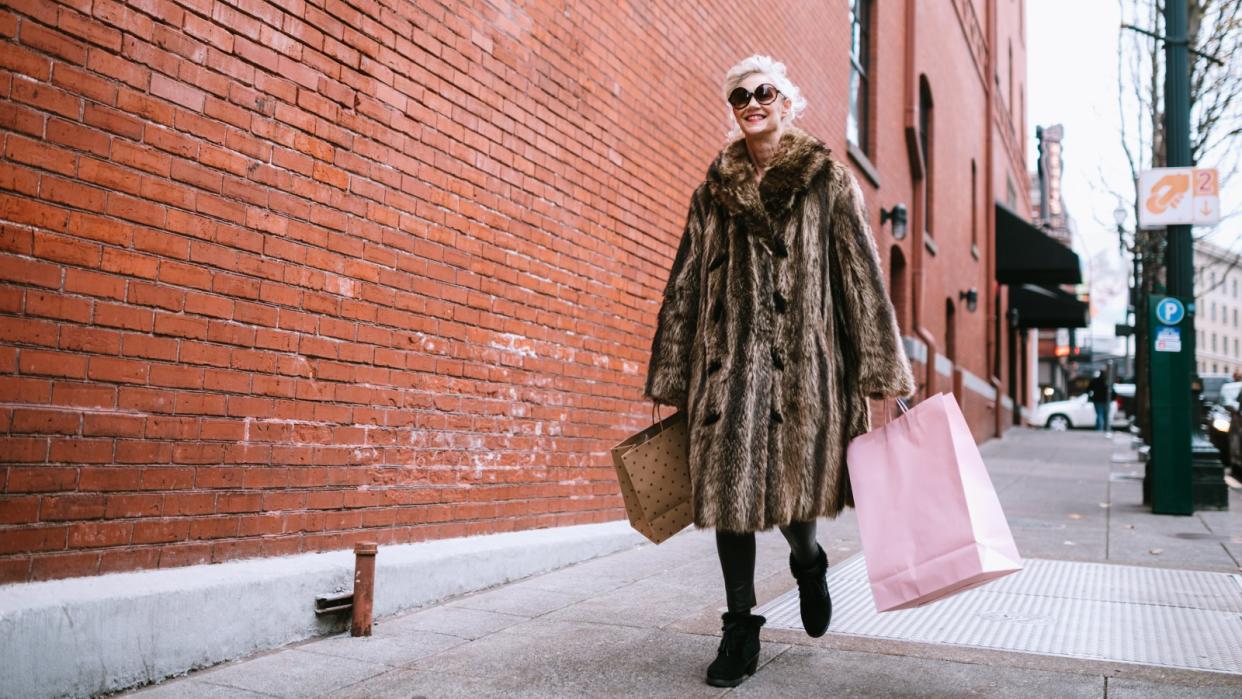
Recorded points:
901,404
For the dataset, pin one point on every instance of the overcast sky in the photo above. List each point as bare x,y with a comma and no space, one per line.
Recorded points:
1072,48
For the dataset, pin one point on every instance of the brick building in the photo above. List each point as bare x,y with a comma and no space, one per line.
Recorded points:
279,277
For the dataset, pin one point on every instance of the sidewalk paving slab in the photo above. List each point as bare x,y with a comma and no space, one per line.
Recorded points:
391,649
293,672
461,622
646,622
519,601
545,658
192,688
1140,689
811,672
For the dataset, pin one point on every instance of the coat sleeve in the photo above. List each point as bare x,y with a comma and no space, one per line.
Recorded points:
668,374
867,319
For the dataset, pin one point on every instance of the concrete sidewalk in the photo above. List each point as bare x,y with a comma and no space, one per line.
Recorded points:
645,622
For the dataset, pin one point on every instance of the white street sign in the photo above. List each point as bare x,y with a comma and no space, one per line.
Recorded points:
1168,340
1172,196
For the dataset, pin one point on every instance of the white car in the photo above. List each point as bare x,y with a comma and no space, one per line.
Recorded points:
1076,412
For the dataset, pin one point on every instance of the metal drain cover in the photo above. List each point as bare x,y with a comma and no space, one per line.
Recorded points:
1097,611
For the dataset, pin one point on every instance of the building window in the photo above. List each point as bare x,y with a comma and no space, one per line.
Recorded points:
950,331
927,142
1213,307
974,205
1235,317
1235,288
857,127
1009,87
1235,348
897,285
1213,342
1021,122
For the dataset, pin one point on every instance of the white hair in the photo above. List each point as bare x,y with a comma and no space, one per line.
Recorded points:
770,68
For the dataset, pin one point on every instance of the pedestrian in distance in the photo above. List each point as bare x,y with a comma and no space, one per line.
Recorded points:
775,329
1101,396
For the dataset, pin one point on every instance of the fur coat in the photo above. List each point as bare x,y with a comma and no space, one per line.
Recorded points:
774,330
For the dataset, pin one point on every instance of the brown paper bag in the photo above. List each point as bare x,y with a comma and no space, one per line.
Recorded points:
654,472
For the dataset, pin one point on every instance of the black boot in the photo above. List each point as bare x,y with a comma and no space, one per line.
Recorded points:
738,654
813,595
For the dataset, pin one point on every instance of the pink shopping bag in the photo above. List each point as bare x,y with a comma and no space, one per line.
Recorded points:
930,522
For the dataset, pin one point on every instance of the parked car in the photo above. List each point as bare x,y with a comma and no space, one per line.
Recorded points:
1232,454
1212,385
1220,417
1074,413
1210,391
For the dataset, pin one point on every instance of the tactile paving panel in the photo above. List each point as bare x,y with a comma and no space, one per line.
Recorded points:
1171,618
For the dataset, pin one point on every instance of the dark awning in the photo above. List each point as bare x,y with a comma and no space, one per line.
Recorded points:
1026,255
1043,307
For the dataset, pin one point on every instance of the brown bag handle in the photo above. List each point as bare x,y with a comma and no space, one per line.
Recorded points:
655,414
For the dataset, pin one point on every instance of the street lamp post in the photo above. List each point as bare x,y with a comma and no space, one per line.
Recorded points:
1119,216
1172,483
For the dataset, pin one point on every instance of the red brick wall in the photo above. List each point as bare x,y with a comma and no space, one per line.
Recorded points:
279,277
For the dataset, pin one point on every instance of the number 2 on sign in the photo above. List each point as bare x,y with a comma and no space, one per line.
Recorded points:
1206,184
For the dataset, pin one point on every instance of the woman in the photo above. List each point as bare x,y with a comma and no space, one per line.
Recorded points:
774,330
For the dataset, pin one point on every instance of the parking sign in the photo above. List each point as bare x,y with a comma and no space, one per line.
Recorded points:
1170,311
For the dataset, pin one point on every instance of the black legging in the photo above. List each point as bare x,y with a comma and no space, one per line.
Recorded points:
737,560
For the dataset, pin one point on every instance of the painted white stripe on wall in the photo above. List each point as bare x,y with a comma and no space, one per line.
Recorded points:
943,366
978,385
916,349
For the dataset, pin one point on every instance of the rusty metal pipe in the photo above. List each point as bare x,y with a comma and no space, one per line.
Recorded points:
364,588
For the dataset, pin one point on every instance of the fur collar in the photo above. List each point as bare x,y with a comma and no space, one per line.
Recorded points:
731,177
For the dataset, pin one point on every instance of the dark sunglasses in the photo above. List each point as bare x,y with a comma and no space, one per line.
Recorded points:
764,94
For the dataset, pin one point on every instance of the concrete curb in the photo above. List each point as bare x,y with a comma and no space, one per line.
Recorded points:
85,636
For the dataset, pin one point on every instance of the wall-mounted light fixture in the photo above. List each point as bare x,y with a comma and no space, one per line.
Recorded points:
897,215
971,297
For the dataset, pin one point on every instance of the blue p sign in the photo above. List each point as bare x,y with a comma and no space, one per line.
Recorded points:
1170,311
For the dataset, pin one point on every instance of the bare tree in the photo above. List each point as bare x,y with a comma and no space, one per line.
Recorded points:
1214,32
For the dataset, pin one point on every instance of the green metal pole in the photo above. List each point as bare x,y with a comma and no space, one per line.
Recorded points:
1172,491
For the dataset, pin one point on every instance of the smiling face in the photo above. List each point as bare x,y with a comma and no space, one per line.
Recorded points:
755,119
